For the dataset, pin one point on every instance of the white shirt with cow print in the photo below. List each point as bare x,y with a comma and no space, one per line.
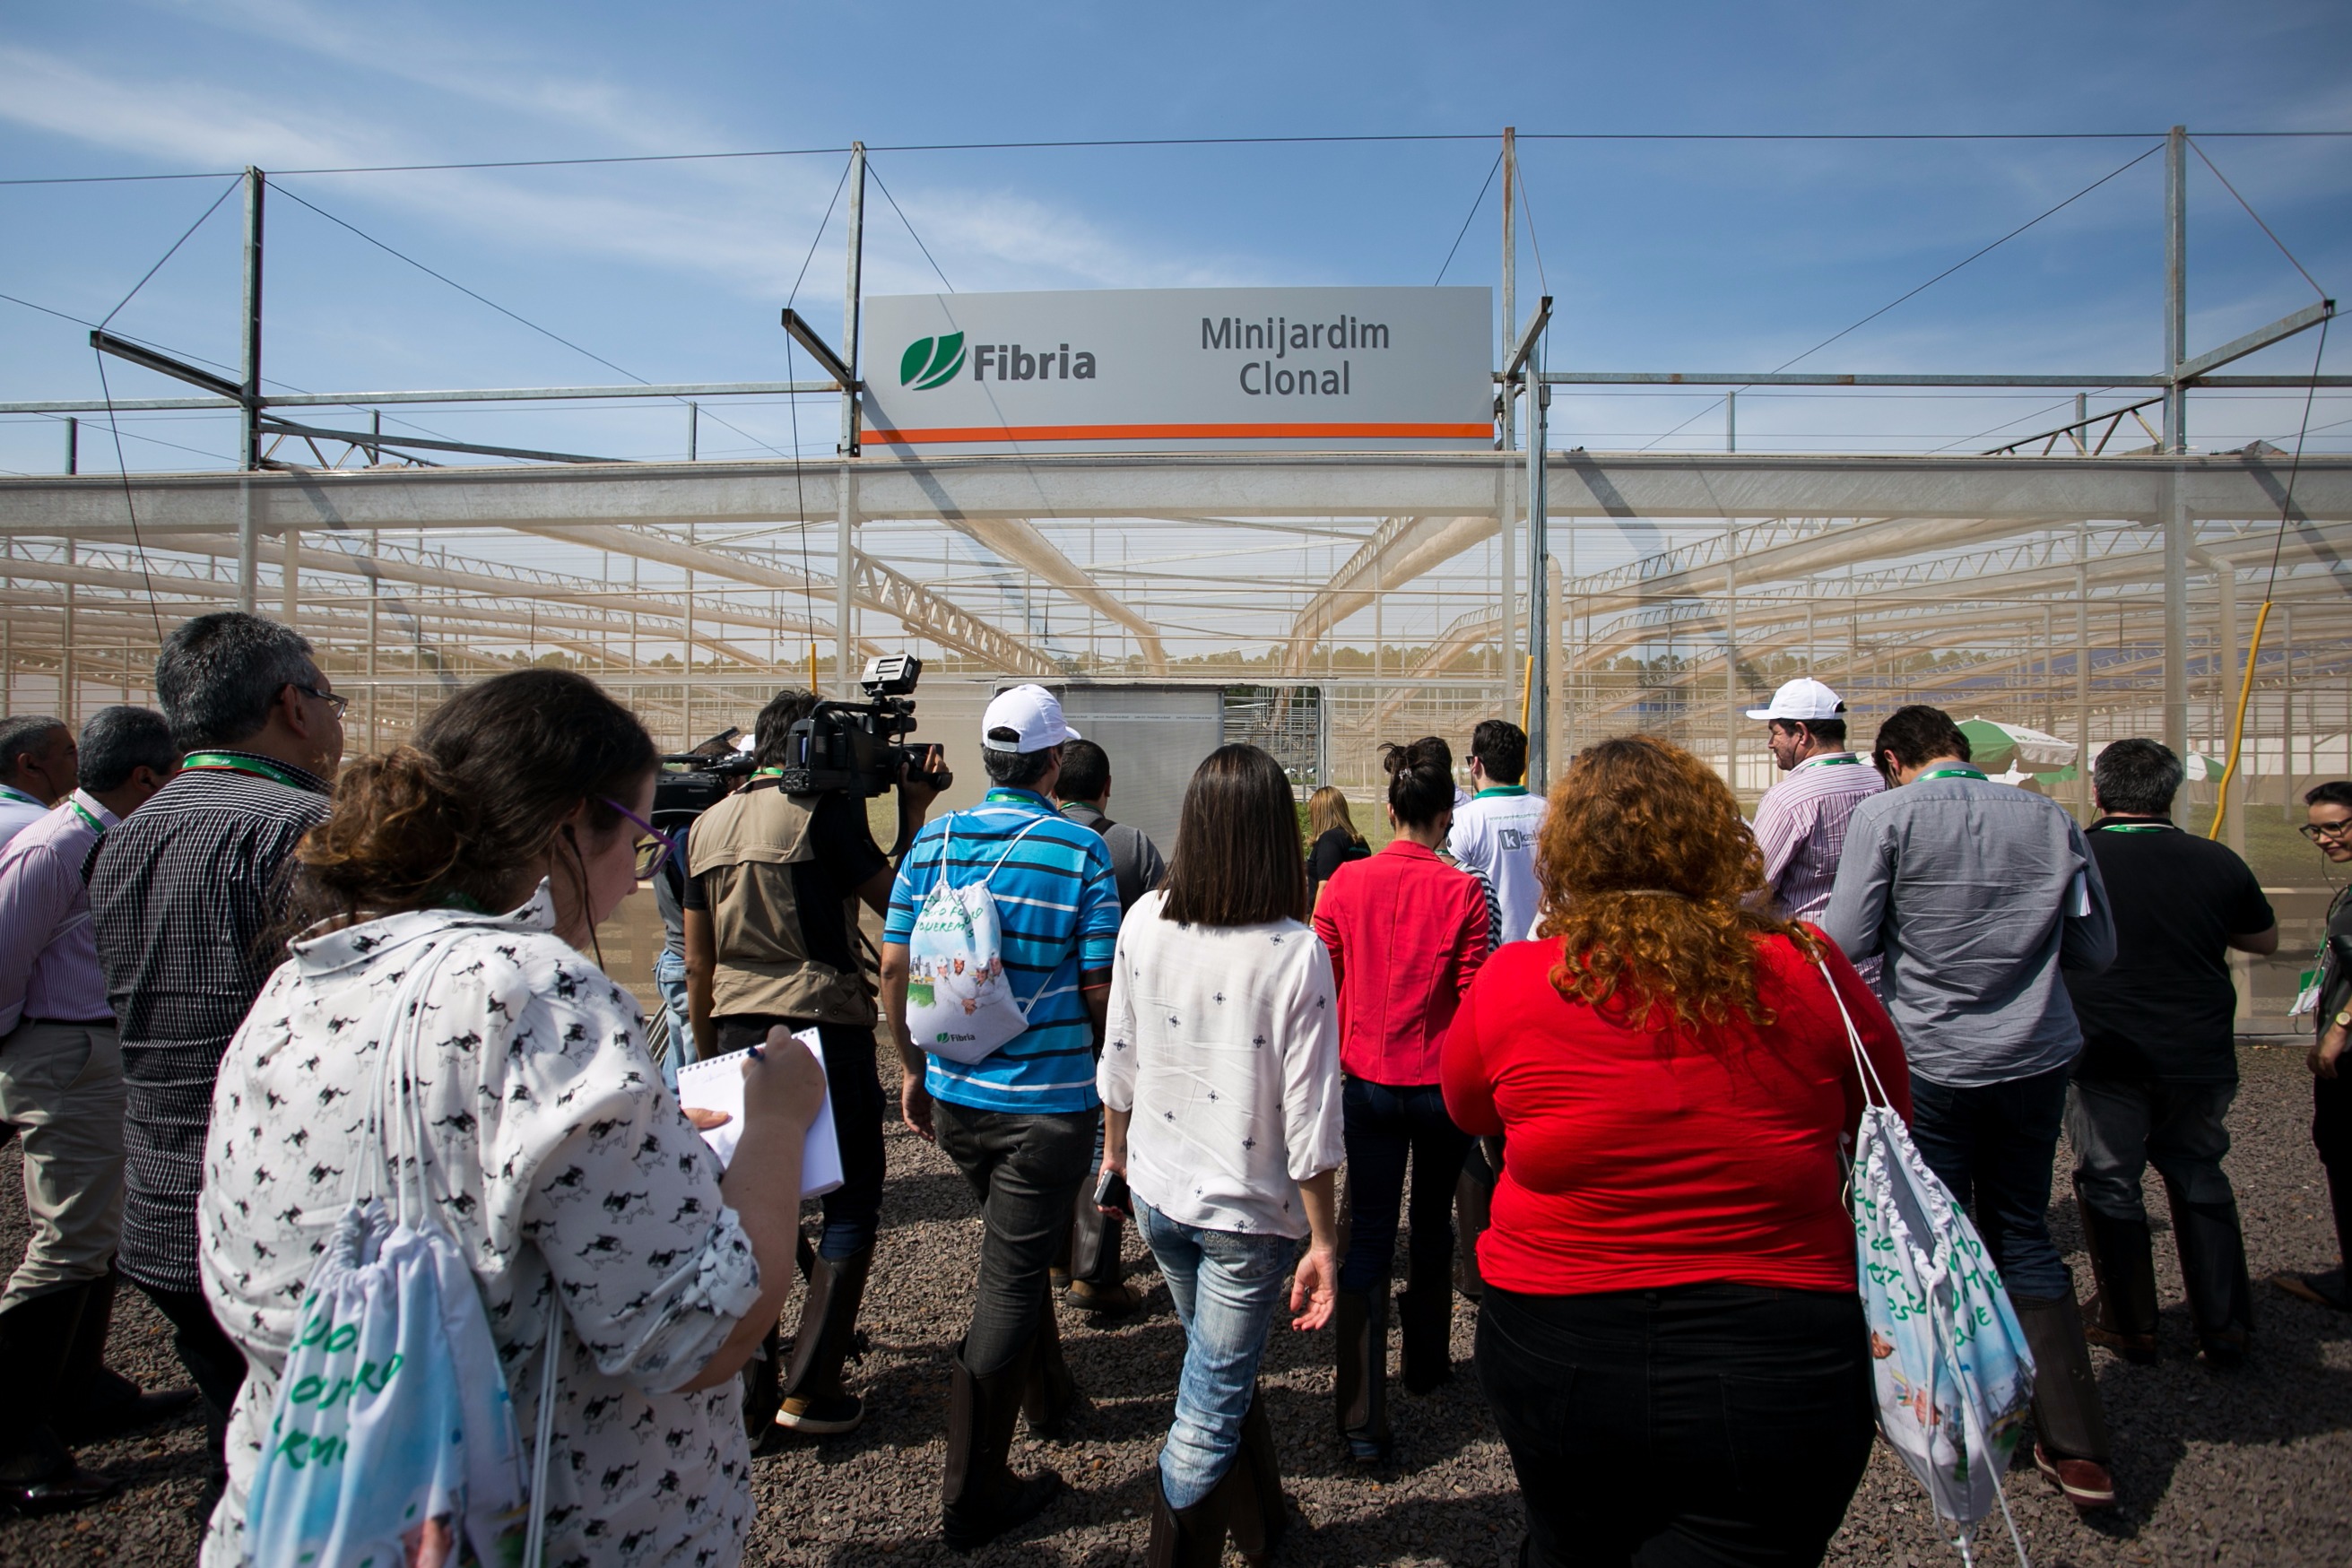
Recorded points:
553,1149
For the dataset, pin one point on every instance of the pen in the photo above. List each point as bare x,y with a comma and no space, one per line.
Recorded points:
758,1054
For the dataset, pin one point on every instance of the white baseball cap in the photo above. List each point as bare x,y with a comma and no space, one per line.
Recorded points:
1803,699
1033,713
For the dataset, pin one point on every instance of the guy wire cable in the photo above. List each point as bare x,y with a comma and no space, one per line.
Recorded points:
2254,651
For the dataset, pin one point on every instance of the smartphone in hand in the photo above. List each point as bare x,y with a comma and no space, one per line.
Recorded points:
1111,1192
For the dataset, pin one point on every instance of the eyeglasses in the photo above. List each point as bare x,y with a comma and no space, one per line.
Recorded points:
339,701
2316,831
653,852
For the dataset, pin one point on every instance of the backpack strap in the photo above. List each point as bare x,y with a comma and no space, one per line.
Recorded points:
551,1371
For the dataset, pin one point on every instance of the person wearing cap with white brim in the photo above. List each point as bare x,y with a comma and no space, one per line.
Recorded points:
1800,822
1020,1121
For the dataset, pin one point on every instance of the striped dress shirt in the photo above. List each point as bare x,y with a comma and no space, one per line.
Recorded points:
1801,825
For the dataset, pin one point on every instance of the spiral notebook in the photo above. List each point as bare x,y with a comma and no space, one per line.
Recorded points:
717,1084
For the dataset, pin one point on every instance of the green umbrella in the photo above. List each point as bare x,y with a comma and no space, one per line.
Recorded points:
2000,747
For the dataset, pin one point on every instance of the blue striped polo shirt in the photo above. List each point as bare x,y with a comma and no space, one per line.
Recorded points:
1057,904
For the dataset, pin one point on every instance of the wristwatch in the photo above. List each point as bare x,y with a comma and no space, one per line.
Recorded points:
2344,1018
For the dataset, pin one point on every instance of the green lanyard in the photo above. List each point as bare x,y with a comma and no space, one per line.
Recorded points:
259,766
1835,762
19,797
767,773
2135,828
1010,797
83,812
1962,773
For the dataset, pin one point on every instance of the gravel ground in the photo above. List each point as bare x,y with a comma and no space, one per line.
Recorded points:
2243,1468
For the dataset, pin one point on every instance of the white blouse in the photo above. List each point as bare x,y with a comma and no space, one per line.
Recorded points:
1224,1043
552,1147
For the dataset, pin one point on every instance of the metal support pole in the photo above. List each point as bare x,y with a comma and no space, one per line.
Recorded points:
2225,695
1538,576
2176,623
375,603
73,446
685,698
66,674
851,295
290,575
1731,420
2081,416
1730,660
2176,285
250,420
248,548
844,606
693,430
1507,576
2083,667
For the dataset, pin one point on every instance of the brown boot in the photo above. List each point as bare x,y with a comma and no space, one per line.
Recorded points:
2073,1449
1096,1280
813,1403
2123,1263
979,1496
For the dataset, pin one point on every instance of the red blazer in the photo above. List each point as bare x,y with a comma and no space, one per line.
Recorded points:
1407,932
1633,1160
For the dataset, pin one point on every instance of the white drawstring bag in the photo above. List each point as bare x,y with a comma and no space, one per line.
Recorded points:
1949,1366
392,1439
960,1000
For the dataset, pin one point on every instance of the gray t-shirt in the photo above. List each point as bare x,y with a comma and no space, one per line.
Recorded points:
1977,895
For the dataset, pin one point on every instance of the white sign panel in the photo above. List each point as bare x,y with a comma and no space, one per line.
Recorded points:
1180,370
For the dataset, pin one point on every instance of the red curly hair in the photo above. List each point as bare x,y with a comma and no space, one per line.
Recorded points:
1647,871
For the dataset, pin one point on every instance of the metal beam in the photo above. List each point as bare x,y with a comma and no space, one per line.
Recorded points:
1018,541
2278,331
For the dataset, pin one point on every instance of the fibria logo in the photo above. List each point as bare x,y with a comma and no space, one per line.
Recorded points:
930,361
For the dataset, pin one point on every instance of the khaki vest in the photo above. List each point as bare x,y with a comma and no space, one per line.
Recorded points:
746,846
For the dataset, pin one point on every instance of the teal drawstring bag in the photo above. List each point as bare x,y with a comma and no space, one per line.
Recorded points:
1949,1366
393,1441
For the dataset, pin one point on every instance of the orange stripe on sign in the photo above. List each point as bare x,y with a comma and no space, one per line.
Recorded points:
1183,433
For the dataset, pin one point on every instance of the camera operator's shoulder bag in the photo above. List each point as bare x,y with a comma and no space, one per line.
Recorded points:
960,1000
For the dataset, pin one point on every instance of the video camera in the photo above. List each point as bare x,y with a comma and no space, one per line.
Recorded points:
858,748
691,782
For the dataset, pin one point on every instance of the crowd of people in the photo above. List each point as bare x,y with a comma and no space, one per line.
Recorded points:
1592,1048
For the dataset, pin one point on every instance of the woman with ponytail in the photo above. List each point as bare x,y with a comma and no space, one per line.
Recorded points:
1406,930
461,881
1669,1336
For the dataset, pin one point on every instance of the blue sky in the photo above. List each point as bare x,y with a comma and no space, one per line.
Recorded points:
1663,254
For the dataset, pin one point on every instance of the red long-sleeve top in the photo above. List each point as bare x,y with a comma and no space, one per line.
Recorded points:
1407,932
1634,1160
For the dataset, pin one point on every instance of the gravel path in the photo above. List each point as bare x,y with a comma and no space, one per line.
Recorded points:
2247,1468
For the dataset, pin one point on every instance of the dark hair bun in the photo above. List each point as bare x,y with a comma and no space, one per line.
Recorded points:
1421,779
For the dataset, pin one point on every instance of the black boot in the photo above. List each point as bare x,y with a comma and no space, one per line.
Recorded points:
1425,1312
1049,1395
2213,1266
1259,1516
1096,1280
1190,1537
2123,1262
813,1401
38,1471
2073,1449
980,1495
94,1401
1363,1384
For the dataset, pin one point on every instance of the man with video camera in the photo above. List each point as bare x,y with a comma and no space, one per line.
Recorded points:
774,880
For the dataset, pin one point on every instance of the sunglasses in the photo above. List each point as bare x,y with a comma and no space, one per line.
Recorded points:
654,851
2316,831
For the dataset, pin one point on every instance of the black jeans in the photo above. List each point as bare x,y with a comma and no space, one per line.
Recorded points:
1026,1169
2331,1131
853,1211
1713,1424
1993,1146
1384,1123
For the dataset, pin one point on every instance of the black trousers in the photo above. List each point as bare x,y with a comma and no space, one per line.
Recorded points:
1711,1424
1026,1169
853,1211
2331,1130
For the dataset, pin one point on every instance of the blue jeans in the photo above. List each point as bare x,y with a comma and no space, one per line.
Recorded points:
1383,1124
669,978
1227,1287
1993,1145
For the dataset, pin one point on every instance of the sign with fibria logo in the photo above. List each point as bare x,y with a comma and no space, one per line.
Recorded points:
1180,370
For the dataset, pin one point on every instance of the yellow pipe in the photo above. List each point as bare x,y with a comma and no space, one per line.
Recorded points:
2237,727
812,685
1526,692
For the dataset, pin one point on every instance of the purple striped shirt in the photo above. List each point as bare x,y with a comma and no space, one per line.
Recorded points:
1801,825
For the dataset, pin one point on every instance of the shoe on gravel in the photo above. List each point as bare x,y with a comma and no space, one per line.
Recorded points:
2137,1349
1103,1301
61,1492
1030,1496
822,1414
2326,1289
2085,1482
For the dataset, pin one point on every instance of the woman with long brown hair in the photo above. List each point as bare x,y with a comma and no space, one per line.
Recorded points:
1220,1080
1332,839
1669,1336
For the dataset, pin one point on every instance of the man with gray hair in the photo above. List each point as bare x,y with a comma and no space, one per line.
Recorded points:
36,769
184,898
61,1093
